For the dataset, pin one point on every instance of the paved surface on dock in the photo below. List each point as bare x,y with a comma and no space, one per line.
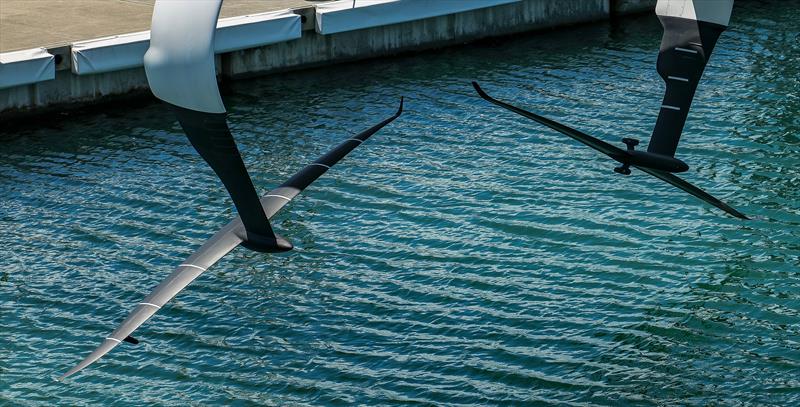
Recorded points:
49,23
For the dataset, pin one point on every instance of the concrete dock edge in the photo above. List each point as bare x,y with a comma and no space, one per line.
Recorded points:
69,91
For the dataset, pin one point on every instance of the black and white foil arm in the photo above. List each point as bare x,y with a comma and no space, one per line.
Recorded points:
691,30
181,71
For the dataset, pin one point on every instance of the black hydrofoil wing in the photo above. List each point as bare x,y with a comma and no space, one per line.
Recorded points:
626,157
225,240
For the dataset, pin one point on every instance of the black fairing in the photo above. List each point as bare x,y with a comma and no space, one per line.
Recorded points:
656,161
685,49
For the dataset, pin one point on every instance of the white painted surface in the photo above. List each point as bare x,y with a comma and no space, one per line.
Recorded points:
712,11
180,61
255,30
126,51
108,54
25,67
349,15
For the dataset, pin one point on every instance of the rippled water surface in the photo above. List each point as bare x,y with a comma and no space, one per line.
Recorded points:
463,255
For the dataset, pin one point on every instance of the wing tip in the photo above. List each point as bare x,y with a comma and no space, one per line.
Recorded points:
108,344
400,109
479,89
732,211
741,216
69,373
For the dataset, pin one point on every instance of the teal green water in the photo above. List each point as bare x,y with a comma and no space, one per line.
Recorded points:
462,256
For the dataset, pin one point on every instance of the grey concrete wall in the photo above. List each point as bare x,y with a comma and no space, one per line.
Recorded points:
314,49
621,7
69,90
